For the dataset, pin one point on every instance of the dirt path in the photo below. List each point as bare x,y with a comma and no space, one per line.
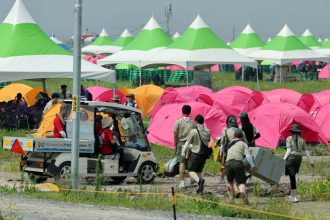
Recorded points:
213,186
18,207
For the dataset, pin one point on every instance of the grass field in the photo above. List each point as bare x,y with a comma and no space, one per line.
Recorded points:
219,80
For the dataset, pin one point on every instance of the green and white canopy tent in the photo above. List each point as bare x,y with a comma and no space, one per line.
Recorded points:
124,39
197,46
26,52
324,48
309,40
247,42
284,48
176,36
148,42
100,45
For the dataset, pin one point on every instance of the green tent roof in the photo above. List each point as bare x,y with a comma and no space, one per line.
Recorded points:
20,35
247,39
285,40
198,36
309,40
125,38
103,39
152,36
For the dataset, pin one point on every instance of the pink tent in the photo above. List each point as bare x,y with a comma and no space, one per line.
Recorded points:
93,59
179,95
273,120
105,95
323,120
232,99
312,103
283,95
161,125
237,67
325,72
256,99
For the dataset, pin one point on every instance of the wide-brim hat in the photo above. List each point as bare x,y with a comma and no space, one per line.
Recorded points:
295,128
106,122
131,95
116,98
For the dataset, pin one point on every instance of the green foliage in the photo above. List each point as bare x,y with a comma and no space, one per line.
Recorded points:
316,190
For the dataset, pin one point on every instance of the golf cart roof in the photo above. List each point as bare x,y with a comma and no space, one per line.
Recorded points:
107,104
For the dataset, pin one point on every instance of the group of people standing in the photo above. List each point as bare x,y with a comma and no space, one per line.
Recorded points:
190,137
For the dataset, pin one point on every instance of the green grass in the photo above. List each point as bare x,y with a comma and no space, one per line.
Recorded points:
316,190
219,80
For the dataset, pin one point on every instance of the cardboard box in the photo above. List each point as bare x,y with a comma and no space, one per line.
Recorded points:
270,167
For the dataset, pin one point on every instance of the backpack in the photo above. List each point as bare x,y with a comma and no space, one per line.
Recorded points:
204,149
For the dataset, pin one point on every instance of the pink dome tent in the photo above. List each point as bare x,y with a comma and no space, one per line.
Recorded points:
256,99
230,100
323,120
161,125
283,95
325,72
312,103
103,94
179,95
273,120
93,59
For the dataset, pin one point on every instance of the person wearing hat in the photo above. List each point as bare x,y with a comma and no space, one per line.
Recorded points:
59,123
250,131
116,99
131,102
234,166
53,101
197,140
226,137
181,130
296,148
107,137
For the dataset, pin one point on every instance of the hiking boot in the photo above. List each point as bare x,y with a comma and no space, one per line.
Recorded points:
181,185
293,199
201,186
192,181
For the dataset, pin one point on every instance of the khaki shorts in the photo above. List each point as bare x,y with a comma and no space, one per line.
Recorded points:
179,146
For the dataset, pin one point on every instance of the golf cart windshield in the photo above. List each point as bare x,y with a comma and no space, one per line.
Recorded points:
127,126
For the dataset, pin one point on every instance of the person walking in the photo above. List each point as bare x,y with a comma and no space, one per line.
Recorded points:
181,129
250,131
296,148
234,167
197,142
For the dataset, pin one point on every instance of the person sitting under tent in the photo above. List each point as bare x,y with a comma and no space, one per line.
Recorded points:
85,93
53,101
64,94
59,123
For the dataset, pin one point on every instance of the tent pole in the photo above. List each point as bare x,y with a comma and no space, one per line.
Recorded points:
76,95
44,85
140,75
258,85
243,67
281,73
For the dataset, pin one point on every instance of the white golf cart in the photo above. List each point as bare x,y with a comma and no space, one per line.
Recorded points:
51,157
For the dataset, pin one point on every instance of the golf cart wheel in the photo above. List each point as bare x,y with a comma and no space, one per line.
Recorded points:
146,173
118,179
35,178
64,171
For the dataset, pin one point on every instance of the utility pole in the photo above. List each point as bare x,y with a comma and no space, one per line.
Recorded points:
168,15
76,94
